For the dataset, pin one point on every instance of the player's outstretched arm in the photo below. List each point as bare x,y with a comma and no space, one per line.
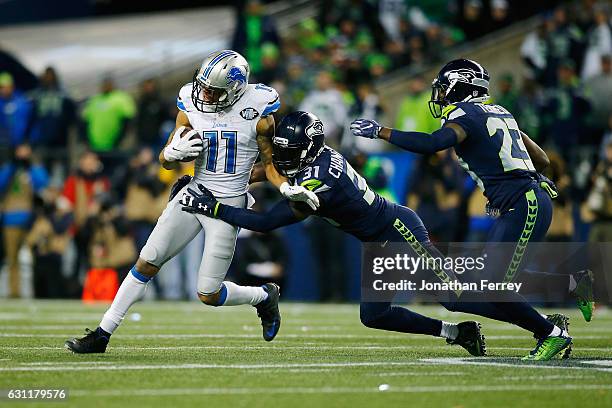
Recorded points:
177,148
258,173
417,142
265,133
538,156
204,202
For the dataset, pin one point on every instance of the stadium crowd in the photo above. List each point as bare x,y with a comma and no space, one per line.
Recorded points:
81,188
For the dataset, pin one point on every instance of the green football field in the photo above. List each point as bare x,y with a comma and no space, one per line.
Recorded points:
187,355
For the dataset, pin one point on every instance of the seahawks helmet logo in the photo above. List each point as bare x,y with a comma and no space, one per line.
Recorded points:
249,113
315,129
463,75
236,74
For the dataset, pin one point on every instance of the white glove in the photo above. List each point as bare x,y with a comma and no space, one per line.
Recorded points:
299,193
181,148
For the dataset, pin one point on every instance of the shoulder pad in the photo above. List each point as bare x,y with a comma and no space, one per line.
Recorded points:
183,101
266,98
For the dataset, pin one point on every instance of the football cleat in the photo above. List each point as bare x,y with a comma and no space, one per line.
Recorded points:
549,347
470,338
268,312
562,322
584,293
92,342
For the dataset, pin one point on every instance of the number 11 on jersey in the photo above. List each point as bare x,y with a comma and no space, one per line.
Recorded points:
230,139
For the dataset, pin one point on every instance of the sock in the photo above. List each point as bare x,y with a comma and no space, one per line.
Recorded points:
572,283
449,330
556,331
232,294
132,289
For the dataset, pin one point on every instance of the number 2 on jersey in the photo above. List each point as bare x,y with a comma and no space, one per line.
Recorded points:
213,150
513,153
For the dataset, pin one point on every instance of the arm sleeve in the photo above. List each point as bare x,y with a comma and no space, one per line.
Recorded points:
278,216
426,143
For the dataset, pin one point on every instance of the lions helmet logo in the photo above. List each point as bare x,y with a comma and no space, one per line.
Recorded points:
316,128
236,74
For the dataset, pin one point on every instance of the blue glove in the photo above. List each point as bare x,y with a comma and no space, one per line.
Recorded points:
203,203
365,128
178,186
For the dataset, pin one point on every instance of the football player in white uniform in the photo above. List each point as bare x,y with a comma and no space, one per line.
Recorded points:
224,123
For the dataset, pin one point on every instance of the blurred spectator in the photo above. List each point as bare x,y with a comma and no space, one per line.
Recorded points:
54,113
106,115
271,68
599,44
24,78
435,194
152,111
83,185
111,246
15,111
48,240
327,102
254,29
367,105
79,195
507,95
599,201
534,51
564,43
599,89
413,113
562,226
20,180
144,186
472,19
528,109
260,258
566,109
500,14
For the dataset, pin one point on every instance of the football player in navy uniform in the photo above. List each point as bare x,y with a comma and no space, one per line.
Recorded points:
346,201
505,164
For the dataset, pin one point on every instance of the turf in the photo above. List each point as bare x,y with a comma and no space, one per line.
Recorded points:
185,355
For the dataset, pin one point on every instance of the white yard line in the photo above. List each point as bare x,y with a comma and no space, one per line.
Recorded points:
157,392
484,361
77,367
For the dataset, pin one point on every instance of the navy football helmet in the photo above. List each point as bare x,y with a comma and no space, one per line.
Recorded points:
461,80
299,139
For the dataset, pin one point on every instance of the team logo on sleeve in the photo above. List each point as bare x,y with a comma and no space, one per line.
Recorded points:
236,74
316,128
249,113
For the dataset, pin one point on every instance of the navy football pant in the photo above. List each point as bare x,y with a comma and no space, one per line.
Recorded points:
532,212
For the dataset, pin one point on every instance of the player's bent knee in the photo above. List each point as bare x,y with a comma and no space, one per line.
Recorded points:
371,314
146,268
213,299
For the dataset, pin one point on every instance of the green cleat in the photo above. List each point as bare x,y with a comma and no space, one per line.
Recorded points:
584,293
562,322
548,347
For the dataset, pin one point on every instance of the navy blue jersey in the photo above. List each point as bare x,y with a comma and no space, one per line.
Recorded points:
493,153
346,200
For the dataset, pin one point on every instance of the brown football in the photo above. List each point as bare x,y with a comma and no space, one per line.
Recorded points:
196,136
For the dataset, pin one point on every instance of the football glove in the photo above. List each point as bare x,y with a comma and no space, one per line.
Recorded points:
178,186
548,185
300,193
366,128
203,202
181,148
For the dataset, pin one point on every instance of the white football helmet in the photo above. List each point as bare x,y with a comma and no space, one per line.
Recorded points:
220,81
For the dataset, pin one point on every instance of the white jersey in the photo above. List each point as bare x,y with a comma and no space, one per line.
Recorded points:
230,138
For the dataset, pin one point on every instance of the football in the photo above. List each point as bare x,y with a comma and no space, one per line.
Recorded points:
196,136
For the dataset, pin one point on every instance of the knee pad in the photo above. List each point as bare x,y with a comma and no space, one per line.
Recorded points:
149,254
209,286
